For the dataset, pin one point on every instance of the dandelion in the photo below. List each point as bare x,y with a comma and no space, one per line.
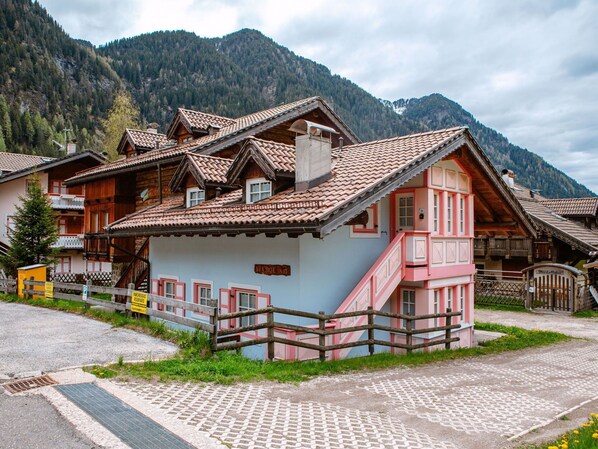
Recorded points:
576,432
553,447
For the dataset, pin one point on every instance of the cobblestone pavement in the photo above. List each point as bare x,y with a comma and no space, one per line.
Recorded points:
470,403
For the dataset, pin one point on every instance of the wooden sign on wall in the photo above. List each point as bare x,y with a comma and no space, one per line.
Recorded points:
272,270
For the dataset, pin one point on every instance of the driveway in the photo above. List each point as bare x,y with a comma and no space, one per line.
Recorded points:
37,339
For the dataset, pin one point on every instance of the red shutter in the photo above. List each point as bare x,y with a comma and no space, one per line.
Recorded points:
179,294
156,290
262,301
225,307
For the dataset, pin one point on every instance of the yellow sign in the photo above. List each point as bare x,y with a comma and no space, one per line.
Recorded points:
139,302
49,290
138,309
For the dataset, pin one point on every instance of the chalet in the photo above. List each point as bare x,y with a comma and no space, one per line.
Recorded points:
68,202
566,233
287,207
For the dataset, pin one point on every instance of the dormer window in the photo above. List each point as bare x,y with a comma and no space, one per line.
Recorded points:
258,189
195,195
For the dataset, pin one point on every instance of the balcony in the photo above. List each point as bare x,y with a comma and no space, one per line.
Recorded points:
69,242
66,202
502,247
96,247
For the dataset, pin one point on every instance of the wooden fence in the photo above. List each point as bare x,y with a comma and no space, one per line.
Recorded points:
76,293
8,284
327,327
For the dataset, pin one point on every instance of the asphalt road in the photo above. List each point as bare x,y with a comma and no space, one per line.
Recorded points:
37,339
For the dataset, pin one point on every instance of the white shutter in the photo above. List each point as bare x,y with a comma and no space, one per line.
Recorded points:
179,294
224,307
262,301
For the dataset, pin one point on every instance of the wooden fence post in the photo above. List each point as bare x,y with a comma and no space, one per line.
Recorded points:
447,334
371,330
214,322
130,288
322,339
270,322
409,336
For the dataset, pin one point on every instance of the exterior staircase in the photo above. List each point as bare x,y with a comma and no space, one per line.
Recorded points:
137,272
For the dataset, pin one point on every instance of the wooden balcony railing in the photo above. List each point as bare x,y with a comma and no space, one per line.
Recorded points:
96,246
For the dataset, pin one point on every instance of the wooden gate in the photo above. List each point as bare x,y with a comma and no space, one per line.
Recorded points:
552,286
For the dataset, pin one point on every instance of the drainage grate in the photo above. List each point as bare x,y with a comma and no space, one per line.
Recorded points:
18,386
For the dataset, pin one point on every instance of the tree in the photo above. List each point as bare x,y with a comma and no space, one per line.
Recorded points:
123,114
35,230
2,143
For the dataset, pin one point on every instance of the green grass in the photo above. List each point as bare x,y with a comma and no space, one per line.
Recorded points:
154,328
195,364
584,437
502,307
586,314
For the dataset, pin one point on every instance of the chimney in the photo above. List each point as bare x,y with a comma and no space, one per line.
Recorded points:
152,128
313,154
71,147
508,177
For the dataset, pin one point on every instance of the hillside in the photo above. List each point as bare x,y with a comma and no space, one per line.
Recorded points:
49,81
437,112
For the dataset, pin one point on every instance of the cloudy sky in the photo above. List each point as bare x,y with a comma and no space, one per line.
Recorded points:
528,69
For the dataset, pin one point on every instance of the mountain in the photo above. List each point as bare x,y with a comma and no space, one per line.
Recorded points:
436,112
43,70
49,81
236,75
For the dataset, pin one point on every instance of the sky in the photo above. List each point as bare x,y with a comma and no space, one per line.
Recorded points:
527,68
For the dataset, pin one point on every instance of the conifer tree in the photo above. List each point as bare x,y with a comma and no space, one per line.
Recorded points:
35,230
123,114
2,142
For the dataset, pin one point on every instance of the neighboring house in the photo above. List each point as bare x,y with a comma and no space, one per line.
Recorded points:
68,202
564,234
280,210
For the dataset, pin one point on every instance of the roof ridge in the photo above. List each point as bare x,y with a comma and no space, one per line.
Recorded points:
207,156
408,136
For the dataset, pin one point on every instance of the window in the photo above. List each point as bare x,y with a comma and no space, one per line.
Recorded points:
371,227
203,293
94,222
462,215
449,214
436,200
106,220
10,225
406,212
62,226
187,139
93,266
246,300
436,305
169,293
62,264
195,196
462,301
258,189
58,187
408,304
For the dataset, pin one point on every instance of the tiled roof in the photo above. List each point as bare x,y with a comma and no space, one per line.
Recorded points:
567,230
280,156
10,162
145,139
359,170
573,206
240,125
202,120
212,169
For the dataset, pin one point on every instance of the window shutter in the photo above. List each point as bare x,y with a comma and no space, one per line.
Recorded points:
156,291
262,301
179,294
225,307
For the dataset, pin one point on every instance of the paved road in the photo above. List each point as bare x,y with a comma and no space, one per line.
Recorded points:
37,339
472,403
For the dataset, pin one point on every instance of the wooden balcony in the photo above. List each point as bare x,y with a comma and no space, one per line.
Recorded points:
502,247
96,247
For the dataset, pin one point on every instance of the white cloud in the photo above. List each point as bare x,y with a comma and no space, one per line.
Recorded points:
527,68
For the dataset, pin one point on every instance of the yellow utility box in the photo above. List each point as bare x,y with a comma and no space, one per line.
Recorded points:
38,272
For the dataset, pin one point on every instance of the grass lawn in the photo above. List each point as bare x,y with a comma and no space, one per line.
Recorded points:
196,365
584,437
502,307
586,314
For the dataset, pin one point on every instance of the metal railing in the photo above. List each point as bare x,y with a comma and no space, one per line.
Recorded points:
69,242
65,201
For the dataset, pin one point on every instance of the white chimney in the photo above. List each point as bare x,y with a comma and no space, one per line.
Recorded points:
71,148
509,178
313,154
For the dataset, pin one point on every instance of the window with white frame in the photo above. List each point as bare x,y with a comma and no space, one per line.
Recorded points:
449,214
203,293
169,292
258,189
436,212
195,195
246,300
93,266
436,305
462,301
406,212
58,187
62,264
408,306
462,215
10,225
370,229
